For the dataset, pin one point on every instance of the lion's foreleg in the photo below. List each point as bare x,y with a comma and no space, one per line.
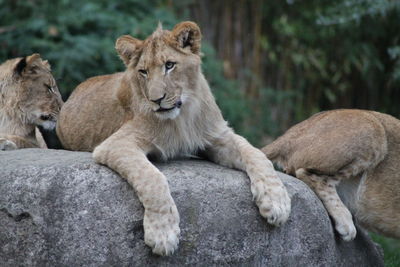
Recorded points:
161,218
11,142
6,144
268,190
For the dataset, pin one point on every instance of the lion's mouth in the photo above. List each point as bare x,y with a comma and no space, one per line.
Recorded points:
178,104
164,109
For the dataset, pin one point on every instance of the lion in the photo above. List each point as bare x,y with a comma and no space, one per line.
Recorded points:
358,150
162,107
29,98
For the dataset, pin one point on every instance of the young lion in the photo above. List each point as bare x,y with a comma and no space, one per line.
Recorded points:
162,106
28,98
358,149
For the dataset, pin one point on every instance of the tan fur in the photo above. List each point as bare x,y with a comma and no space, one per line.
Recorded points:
118,117
358,149
28,92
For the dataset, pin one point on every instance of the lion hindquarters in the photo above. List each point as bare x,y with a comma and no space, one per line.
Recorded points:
329,148
378,198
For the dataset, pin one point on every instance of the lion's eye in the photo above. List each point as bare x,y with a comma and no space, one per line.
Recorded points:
143,72
169,65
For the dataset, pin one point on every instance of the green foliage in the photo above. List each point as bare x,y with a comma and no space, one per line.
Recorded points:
250,117
391,248
340,54
354,10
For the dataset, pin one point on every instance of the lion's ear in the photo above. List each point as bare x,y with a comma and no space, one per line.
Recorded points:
33,59
20,66
187,35
29,65
128,48
46,64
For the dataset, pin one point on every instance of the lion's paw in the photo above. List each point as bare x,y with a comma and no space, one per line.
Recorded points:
346,229
7,144
161,231
273,202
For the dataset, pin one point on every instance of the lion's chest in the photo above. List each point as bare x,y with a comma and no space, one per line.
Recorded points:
179,139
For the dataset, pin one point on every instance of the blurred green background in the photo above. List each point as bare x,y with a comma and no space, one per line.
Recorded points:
270,64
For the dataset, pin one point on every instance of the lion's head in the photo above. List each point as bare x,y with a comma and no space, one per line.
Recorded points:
163,68
28,90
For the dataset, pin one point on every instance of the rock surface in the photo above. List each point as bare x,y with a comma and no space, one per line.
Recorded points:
59,208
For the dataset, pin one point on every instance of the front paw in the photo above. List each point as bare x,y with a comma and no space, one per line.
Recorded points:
161,230
7,144
273,201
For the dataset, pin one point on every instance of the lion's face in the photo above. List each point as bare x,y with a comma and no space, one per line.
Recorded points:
164,68
39,97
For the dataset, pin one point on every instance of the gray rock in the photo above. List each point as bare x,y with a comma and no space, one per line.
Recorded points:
59,208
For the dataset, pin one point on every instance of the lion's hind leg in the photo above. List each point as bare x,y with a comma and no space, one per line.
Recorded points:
325,187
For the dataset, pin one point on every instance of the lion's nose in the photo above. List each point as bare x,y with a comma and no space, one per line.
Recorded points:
158,101
178,104
45,117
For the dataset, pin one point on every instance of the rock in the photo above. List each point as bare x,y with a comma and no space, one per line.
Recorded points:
59,208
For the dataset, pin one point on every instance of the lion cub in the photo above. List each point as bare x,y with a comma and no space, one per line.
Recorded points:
162,106
359,151
28,98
